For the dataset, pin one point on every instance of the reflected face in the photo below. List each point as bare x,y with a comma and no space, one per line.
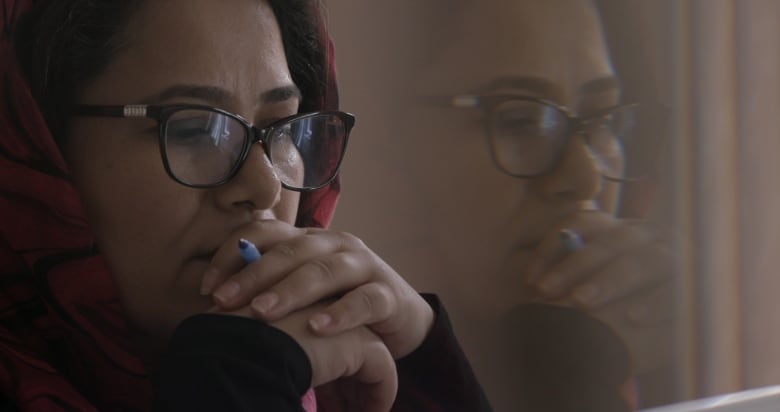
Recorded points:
156,235
484,221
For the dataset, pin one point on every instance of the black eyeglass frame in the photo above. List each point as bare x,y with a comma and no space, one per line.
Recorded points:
162,113
575,124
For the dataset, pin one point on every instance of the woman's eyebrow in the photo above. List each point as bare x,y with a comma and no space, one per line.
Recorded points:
545,87
214,95
536,85
281,94
220,97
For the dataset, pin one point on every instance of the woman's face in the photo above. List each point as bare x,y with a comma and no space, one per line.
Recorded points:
156,235
484,222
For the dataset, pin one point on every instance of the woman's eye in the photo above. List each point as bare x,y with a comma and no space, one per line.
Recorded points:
517,123
188,127
196,130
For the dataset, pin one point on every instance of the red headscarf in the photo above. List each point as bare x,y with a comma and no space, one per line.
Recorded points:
64,340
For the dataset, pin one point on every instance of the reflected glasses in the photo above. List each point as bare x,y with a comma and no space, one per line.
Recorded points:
204,147
527,136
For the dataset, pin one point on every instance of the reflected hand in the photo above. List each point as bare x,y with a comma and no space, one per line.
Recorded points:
303,266
624,274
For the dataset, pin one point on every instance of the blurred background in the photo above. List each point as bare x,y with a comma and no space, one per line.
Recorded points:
716,66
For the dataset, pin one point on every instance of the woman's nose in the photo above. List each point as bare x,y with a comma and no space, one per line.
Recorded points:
256,185
576,177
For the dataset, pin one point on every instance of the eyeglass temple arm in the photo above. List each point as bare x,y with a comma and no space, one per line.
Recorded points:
130,110
457,101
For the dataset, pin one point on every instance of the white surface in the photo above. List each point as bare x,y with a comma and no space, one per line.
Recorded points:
755,400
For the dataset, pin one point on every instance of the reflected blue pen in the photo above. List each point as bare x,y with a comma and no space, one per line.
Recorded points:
571,240
248,251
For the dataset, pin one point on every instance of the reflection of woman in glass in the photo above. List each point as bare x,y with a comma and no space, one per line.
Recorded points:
521,145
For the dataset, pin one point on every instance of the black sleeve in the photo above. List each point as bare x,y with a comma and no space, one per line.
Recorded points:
228,363
437,376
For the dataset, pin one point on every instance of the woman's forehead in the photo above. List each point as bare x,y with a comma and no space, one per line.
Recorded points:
182,28
237,48
557,40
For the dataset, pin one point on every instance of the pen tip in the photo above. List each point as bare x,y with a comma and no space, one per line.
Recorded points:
243,243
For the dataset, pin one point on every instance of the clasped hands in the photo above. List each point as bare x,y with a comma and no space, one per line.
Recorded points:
349,310
625,273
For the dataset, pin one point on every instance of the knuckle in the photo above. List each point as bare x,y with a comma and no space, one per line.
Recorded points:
251,276
384,300
347,261
350,241
261,225
338,267
366,300
313,230
322,268
285,249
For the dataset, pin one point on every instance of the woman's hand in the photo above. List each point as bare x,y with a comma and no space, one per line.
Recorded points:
300,267
355,360
624,273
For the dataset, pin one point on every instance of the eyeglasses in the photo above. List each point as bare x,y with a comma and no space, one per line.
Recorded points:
527,136
204,147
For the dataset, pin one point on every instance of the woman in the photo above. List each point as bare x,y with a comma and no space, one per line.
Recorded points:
123,286
521,135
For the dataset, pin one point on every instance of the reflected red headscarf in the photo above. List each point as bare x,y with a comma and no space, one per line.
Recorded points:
64,341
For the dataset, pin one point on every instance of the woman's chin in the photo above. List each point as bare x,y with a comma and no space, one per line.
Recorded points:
152,330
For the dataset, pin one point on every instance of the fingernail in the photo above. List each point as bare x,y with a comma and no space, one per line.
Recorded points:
209,280
320,321
227,292
265,302
551,283
587,294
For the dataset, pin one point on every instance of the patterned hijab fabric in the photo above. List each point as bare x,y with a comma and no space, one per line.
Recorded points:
64,341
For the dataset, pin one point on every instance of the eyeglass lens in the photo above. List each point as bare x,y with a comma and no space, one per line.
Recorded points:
205,147
527,138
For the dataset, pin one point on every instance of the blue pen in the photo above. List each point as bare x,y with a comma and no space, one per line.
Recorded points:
248,251
571,240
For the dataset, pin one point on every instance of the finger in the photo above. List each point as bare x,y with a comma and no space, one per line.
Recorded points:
319,278
379,377
279,261
642,269
366,305
586,224
357,359
597,252
245,312
227,260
